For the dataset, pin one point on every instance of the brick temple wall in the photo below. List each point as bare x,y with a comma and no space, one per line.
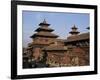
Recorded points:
76,57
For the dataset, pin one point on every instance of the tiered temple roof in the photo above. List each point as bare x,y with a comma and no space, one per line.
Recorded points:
83,36
44,34
55,48
44,31
74,30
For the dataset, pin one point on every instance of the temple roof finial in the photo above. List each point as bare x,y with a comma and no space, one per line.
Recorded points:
44,21
74,27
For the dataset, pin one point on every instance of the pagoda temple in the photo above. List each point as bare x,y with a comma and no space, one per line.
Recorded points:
42,38
78,45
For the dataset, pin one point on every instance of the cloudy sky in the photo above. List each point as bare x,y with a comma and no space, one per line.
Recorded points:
60,22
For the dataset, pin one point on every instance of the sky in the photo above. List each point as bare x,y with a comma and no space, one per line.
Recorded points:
61,23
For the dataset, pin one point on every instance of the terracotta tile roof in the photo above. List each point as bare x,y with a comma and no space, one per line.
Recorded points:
44,29
79,37
74,32
55,48
41,43
61,40
44,34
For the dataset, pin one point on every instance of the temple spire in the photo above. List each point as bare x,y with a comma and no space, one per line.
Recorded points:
74,30
44,23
